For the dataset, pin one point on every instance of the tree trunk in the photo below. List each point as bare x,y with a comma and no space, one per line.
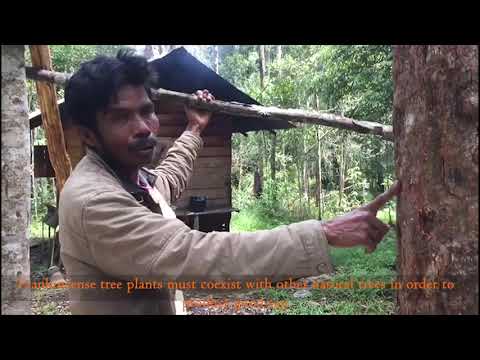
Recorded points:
148,51
300,187
32,175
217,59
273,165
436,153
257,183
16,294
262,65
279,52
151,51
319,177
341,180
306,192
165,49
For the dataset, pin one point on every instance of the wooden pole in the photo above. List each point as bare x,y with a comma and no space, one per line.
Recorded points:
247,110
51,117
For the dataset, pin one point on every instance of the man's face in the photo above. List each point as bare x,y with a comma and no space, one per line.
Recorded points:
128,128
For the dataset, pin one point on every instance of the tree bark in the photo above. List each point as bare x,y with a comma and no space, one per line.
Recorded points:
341,180
262,65
273,164
148,51
32,175
151,52
257,183
319,177
435,123
16,296
217,59
306,193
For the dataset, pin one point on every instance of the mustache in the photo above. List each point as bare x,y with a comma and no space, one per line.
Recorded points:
143,143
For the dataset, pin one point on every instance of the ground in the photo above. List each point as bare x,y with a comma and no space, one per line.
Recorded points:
45,301
349,264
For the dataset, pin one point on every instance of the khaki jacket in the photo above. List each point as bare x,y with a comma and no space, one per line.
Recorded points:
114,232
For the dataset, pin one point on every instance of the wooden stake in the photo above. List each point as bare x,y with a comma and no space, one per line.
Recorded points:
51,117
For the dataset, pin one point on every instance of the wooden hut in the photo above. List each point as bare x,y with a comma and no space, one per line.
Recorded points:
182,72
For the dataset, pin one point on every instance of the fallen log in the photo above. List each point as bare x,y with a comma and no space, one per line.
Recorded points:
247,110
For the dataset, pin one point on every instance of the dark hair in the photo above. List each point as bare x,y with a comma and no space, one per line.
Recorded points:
96,84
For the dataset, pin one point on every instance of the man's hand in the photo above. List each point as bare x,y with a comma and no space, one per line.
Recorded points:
361,227
198,119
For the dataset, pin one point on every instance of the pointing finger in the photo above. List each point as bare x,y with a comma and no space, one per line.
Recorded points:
382,199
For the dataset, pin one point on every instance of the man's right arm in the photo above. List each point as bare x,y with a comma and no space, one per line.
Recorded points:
128,240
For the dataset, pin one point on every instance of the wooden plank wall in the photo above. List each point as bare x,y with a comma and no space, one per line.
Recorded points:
212,170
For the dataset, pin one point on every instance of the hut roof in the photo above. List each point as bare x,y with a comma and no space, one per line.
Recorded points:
180,71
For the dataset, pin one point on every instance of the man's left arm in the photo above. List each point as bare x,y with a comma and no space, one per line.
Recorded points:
175,170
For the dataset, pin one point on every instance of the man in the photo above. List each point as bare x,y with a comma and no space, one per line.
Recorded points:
117,229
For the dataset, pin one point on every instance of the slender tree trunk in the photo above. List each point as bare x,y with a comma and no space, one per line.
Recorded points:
217,59
273,164
257,183
16,294
435,122
341,180
258,177
165,49
306,192
300,186
262,65
319,182
258,172
32,161
148,51
279,52
303,176
267,61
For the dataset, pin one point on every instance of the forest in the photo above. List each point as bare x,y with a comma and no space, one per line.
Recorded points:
310,172
317,172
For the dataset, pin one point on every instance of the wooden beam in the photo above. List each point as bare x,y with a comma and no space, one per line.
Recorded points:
274,113
51,116
39,73
249,110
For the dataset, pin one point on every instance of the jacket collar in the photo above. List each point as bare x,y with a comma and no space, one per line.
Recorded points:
133,189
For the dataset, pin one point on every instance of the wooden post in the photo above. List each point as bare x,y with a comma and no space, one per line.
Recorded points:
51,117
52,125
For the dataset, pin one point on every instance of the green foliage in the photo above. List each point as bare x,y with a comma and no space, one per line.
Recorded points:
67,58
36,229
350,264
351,80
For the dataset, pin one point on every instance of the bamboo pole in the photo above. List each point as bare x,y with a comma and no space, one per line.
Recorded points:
247,110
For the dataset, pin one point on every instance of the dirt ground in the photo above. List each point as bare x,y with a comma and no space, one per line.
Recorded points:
55,301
